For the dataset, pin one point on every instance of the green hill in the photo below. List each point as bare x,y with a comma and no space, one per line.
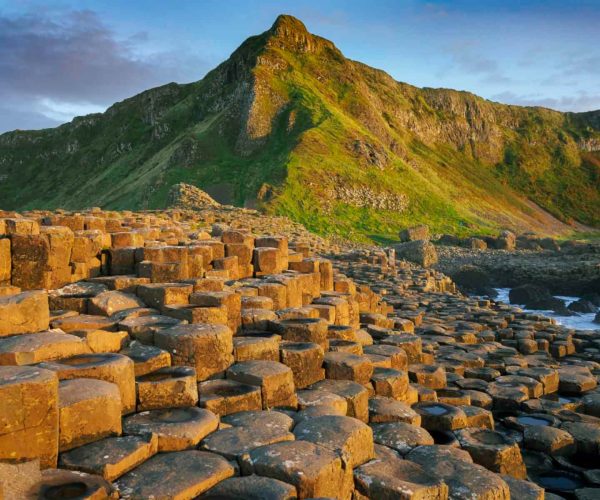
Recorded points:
289,124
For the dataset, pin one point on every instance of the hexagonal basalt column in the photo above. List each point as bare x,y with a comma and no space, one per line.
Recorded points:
208,348
114,368
170,387
29,414
275,379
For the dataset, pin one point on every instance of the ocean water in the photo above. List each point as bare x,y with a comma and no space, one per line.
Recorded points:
577,322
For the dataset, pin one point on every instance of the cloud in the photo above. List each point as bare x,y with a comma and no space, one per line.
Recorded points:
581,101
465,58
62,63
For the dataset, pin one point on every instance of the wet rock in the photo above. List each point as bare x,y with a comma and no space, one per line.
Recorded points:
582,306
492,450
536,297
440,416
548,440
586,435
523,490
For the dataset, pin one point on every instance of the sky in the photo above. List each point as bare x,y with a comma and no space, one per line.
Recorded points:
64,58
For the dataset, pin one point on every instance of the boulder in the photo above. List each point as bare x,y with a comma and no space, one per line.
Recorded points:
472,279
582,306
414,233
536,297
418,252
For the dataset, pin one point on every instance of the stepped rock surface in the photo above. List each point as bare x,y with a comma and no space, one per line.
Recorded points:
290,125
217,353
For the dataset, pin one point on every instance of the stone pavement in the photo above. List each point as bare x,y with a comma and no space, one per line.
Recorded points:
221,354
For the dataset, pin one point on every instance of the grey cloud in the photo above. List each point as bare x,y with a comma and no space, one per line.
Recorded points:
582,101
466,58
72,57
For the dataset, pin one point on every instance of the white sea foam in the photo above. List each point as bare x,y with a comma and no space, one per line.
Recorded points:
578,321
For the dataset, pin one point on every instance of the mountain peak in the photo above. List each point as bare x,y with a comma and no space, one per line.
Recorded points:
290,33
286,24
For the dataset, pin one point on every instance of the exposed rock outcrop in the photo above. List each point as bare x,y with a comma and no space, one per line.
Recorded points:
189,197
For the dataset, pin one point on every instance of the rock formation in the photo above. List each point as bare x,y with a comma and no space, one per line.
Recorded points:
216,353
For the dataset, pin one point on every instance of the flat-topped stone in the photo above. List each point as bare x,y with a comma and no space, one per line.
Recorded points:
177,428
30,348
314,470
252,488
224,397
347,436
275,380
182,474
114,368
111,457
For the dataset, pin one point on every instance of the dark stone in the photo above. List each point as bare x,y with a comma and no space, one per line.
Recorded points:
471,279
537,297
582,306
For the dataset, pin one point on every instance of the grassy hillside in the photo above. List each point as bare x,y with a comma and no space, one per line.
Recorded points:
289,124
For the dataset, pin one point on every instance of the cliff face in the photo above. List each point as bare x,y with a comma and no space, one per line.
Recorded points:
291,124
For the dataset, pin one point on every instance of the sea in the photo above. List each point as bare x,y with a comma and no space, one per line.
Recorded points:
578,322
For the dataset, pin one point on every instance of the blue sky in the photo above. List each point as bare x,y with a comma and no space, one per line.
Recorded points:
64,58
